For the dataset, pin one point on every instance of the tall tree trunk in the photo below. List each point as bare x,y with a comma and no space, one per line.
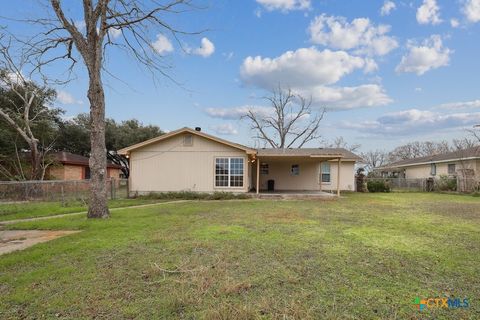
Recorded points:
35,161
98,207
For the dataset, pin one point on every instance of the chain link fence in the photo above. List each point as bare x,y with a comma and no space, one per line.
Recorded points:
58,190
459,184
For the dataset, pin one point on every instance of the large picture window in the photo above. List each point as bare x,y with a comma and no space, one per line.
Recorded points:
325,172
229,172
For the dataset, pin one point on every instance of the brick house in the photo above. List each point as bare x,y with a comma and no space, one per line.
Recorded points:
69,166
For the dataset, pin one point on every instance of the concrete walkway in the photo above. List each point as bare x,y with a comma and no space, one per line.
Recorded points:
84,212
14,240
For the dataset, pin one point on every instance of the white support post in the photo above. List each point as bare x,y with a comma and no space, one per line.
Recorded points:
338,176
258,175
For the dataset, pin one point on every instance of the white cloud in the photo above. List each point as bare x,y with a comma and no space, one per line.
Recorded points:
413,121
66,98
310,72
370,65
454,23
421,58
387,8
418,89
429,13
455,106
224,129
206,49
236,113
360,34
162,45
285,5
303,67
114,33
344,98
471,9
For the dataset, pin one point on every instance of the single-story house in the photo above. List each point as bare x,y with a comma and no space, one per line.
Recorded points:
70,166
191,160
461,162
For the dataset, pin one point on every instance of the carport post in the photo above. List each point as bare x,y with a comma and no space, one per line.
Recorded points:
258,175
338,176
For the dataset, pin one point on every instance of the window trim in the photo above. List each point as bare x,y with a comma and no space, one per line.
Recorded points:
191,140
298,170
454,168
263,171
229,175
329,173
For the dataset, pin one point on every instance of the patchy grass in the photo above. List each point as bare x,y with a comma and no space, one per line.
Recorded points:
23,210
364,256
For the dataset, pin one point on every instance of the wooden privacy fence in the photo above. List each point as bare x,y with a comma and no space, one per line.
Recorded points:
57,190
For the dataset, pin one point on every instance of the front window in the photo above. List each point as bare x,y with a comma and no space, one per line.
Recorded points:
264,168
451,168
295,170
229,172
433,169
325,172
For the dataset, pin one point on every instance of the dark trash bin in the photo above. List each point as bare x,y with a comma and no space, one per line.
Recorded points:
271,185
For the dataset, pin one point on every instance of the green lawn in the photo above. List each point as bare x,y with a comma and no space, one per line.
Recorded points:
22,210
365,256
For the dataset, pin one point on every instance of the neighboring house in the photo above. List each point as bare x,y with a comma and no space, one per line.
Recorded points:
69,166
190,160
465,163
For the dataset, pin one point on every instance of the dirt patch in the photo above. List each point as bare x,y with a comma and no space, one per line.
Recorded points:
13,240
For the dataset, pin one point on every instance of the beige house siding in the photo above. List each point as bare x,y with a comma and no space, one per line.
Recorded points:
309,177
168,165
347,176
423,171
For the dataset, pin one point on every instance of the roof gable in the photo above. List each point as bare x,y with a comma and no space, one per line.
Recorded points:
166,136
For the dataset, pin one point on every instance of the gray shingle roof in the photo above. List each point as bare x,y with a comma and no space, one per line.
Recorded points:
306,152
473,152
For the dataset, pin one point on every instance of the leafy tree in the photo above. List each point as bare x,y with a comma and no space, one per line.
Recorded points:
28,125
74,133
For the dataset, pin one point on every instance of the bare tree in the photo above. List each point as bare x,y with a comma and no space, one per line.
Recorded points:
374,159
465,143
339,142
292,122
22,108
136,22
418,149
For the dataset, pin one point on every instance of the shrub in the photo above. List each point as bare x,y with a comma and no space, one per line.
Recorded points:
378,186
445,183
189,195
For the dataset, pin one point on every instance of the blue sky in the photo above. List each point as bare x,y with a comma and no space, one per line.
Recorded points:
388,72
